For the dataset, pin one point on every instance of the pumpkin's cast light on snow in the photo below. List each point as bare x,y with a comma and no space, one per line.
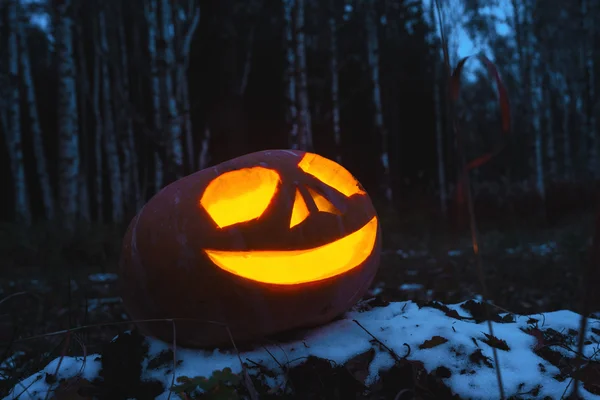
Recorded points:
263,243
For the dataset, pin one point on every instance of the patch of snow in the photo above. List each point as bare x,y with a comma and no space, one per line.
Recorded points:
543,249
400,326
411,286
36,387
411,253
103,277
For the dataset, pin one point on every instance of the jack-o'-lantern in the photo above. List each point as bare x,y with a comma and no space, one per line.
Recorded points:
263,243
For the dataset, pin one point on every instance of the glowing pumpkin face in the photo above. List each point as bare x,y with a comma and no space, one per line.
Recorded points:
265,242
244,195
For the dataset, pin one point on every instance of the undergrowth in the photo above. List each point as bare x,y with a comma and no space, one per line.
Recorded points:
46,244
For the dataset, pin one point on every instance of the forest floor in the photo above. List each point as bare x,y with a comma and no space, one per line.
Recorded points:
528,270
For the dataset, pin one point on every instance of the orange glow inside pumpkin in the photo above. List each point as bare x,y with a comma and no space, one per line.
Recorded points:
240,196
330,173
322,203
299,210
245,194
292,267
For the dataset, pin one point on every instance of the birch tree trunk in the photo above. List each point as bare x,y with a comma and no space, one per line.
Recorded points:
203,157
131,178
304,119
98,137
550,140
174,141
536,110
151,11
84,91
110,142
589,12
13,134
68,135
335,82
439,138
36,129
290,75
373,62
566,131
190,17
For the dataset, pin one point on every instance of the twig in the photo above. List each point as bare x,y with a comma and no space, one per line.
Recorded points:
392,352
174,359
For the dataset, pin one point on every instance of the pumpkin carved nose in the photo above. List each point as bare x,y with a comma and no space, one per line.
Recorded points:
301,210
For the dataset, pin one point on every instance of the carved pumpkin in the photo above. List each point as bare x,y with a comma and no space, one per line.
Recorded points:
266,242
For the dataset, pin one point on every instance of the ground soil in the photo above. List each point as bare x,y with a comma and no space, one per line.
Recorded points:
527,270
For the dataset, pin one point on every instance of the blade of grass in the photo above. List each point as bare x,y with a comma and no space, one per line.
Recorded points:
463,185
591,277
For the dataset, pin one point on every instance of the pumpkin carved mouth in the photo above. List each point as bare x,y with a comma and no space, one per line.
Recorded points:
291,267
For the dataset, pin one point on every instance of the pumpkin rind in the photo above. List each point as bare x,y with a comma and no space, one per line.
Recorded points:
166,273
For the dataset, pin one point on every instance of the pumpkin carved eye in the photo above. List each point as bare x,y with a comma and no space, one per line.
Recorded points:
240,195
330,173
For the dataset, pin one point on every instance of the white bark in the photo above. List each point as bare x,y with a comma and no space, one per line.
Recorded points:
290,75
130,175
192,18
110,142
13,134
98,138
439,139
550,140
151,12
373,62
36,129
335,83
84,91
590,12
68,132
174,143
304,119
204,157
567,155
536,117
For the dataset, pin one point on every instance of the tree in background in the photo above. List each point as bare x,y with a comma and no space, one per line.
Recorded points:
136,94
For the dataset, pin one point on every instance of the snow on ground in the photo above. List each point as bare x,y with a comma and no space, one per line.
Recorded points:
437,336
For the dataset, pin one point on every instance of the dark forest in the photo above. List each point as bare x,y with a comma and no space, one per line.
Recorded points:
472,125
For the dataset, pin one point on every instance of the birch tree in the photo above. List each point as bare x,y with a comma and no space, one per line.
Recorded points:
335,82
13,132
373,64
35,127
68,134
549,128
304,118
438,89
173,141
566,132
110,142
151,12
84,93
439,137
536,96
130,173
290,74
186,24
589,10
